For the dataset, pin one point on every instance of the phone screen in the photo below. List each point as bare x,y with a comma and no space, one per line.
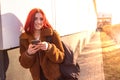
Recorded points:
35,41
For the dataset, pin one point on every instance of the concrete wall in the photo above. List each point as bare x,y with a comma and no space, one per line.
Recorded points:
76,16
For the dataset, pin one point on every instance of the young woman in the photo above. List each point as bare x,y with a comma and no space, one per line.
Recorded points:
41,57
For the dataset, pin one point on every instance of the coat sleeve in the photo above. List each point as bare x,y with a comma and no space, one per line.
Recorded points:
55,51
25,60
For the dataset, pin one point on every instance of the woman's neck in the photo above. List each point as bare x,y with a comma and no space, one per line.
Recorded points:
37,34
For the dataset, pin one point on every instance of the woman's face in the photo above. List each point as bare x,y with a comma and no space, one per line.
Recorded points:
38,23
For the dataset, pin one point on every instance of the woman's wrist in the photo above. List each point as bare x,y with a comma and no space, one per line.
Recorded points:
28,54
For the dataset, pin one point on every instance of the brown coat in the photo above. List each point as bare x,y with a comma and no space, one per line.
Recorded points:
48,60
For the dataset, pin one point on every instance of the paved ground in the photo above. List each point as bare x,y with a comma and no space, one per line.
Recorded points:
91,61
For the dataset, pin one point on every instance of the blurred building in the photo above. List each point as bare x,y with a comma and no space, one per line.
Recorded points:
102,20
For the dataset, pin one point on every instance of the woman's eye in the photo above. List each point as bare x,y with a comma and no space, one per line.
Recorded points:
41,19
35,18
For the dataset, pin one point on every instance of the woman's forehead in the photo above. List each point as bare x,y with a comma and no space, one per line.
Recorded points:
38,14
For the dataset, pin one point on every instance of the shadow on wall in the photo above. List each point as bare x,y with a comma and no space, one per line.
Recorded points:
10,31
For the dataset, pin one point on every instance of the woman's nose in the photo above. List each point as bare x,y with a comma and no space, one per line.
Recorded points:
38,21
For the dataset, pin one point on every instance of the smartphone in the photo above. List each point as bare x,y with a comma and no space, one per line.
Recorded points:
35,41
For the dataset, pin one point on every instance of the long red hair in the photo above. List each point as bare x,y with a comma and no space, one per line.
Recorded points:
29,25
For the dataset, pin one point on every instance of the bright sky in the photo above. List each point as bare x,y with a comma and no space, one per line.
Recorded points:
110,7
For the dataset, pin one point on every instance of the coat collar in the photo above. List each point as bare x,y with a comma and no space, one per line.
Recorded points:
44,32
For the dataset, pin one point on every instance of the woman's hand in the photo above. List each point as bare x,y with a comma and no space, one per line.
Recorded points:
33,48
43,45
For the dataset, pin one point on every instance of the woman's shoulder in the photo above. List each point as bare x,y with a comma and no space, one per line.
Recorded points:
55,32
46,31
24,36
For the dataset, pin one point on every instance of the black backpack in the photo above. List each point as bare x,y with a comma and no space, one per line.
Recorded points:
70,69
